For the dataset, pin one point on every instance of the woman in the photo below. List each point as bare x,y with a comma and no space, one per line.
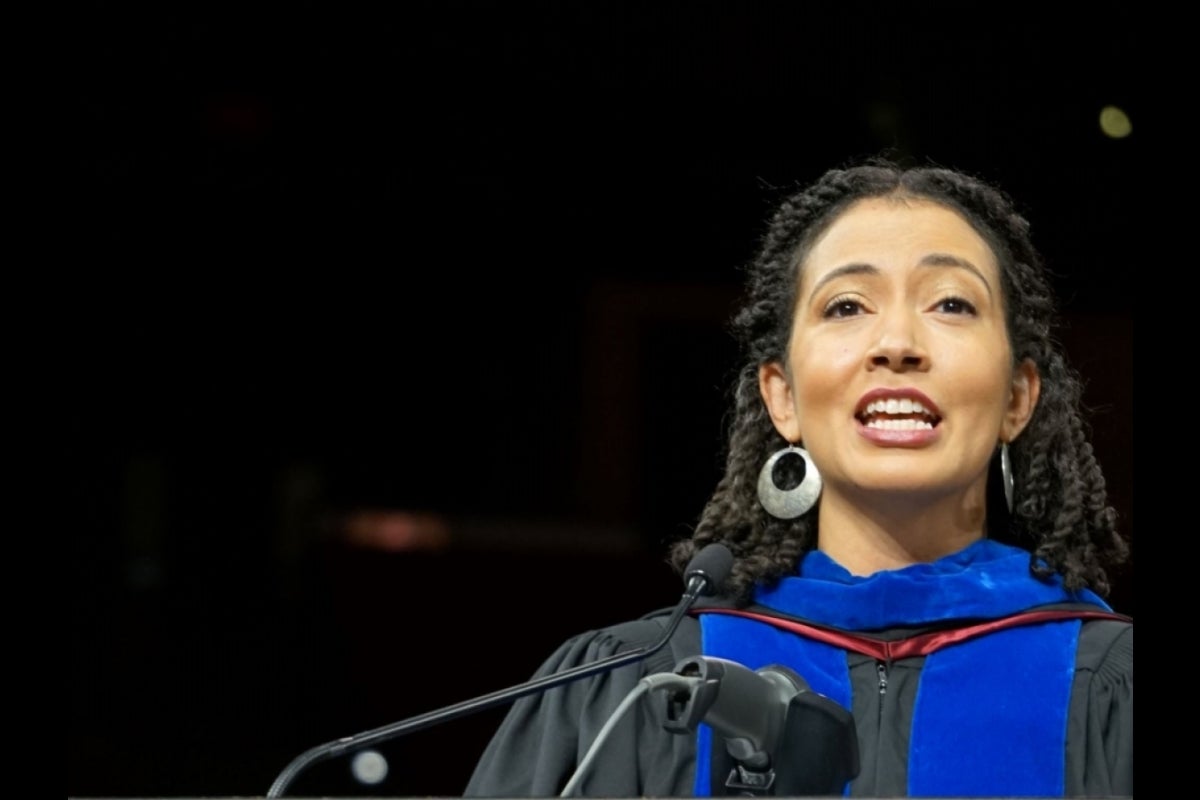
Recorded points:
906,457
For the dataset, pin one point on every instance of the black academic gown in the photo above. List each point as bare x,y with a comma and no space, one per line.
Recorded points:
540,743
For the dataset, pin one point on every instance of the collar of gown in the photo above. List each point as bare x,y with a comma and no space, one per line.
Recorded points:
984,580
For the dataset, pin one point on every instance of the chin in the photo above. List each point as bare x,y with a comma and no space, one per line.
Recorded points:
911,487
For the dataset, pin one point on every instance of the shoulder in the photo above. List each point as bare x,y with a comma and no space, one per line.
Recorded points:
1106,648
647,631
1105,641
538,746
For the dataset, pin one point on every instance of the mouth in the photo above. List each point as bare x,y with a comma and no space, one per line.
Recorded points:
898,413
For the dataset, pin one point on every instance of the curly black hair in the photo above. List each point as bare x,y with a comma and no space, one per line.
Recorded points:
1060,513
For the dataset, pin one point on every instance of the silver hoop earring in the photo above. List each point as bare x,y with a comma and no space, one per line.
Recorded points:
1006,474
795,501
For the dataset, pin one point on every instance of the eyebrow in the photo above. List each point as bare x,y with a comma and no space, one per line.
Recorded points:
931,260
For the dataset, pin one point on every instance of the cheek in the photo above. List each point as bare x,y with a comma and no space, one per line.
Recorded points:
988,389
823,378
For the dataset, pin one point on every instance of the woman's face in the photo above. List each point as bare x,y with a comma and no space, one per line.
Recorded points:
899,374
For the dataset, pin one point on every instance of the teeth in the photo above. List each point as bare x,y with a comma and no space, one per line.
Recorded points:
900,424
897,406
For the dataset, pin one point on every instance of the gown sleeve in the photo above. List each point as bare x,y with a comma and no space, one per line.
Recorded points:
1100,728
536,749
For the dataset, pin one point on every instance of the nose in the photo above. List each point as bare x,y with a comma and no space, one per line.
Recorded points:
897,346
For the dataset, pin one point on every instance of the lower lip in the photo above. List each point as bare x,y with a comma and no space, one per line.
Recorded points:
886,438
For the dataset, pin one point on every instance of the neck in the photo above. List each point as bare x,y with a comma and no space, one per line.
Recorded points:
870,534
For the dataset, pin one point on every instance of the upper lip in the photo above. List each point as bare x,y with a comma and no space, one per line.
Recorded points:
927,404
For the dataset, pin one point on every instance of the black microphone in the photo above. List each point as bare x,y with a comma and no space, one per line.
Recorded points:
784,738
704,575
748,707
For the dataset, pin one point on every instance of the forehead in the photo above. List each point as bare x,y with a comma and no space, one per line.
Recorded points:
892,233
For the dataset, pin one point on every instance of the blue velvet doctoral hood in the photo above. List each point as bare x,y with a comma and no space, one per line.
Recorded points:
990,713
985,580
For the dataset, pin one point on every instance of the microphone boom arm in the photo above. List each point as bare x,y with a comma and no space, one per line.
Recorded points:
698,583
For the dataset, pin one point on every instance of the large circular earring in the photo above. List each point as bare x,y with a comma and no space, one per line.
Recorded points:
794,501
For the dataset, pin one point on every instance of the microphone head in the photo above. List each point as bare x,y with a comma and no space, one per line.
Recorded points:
708,569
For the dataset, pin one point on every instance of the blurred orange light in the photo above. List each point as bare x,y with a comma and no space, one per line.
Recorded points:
396,531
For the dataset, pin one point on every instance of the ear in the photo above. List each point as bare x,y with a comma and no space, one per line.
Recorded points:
1026,387
776,391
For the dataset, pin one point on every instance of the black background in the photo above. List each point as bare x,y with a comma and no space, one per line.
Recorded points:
473,260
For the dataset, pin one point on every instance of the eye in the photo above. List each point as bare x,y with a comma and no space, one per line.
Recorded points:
842,307
955,305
